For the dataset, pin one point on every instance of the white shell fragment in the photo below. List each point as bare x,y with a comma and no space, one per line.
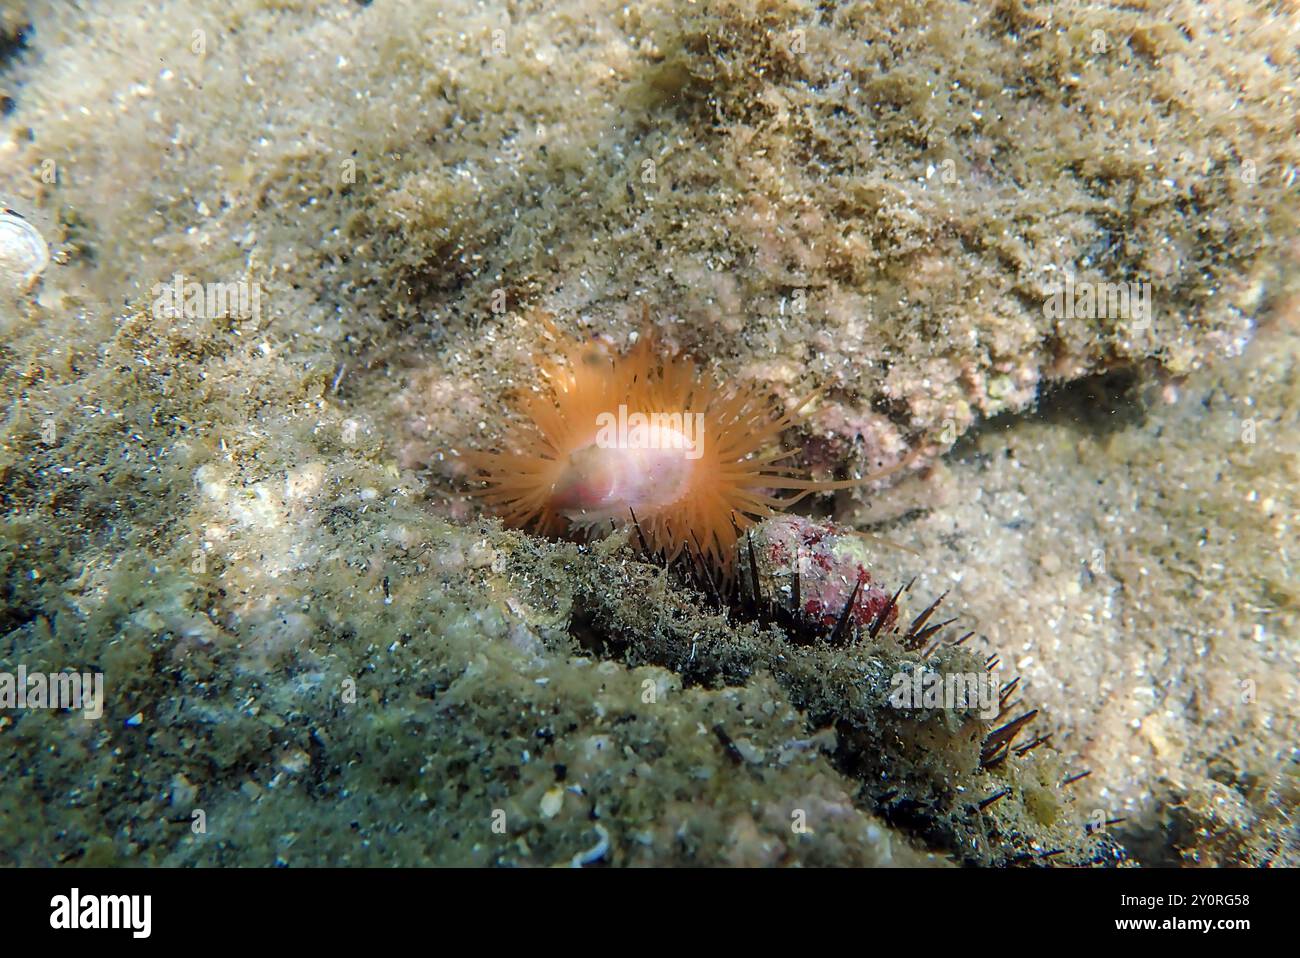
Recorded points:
23,252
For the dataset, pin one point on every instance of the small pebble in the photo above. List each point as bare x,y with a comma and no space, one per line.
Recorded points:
552,801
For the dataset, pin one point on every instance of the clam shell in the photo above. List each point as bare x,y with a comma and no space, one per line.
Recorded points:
23,251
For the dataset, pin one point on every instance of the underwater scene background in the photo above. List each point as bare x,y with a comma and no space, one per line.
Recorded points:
269,269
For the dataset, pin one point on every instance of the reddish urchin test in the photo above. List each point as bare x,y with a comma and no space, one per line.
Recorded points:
817,570
609,437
